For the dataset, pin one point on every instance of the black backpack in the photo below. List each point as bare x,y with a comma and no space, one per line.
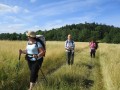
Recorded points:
41,40
96,45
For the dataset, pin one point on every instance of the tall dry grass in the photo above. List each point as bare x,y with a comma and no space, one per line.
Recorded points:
101,73
110,64
85,74
16,77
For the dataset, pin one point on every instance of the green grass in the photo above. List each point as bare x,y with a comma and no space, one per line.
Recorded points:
110,63
101,73
85,74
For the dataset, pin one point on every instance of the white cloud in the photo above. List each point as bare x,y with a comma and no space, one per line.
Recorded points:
63,7
26,11
15,9
6,8
32,1
10,28
12,9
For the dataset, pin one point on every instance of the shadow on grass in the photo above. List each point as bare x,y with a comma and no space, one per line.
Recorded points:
87,83
88,65
71,83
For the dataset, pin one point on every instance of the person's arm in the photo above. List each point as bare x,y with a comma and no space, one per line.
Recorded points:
94,44
41,51
73,45
41,54
23,51
66,45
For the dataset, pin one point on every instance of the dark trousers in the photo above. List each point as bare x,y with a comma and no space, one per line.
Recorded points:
70,57
92,53
34,67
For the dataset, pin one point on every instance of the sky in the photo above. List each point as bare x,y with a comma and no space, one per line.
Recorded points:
26,15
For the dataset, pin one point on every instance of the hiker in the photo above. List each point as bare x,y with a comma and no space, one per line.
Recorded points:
34,56
69,46
92,45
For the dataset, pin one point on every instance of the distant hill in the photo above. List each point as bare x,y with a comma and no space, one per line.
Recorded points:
80,32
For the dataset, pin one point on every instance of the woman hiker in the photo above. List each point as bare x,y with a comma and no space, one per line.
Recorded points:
34,55
69,46
92,45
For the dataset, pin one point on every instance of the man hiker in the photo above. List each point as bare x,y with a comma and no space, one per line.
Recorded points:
69,47
92,45
34,56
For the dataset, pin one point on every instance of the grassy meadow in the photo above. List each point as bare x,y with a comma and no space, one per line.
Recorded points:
100,73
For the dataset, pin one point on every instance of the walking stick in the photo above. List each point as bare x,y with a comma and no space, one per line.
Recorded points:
18,65
43,75
17,70
19,56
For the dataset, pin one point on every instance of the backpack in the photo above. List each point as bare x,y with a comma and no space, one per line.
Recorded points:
96,45
67,42
41,40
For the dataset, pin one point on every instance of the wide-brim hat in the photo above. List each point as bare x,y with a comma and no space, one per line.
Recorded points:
31,34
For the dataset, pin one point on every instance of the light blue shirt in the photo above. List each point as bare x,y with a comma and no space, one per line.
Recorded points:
69,45
33,49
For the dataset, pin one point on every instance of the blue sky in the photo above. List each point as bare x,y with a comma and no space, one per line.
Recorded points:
23,15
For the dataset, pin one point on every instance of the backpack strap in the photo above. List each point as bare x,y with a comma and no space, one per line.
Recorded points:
41,42
67,42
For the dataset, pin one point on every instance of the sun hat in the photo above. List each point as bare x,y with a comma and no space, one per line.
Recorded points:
31,34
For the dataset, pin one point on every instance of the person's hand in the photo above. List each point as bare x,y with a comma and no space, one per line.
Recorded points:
20,51
70,47
67,48
35,56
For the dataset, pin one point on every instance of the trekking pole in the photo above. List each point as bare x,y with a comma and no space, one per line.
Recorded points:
19,56
19,60
43,75
17,70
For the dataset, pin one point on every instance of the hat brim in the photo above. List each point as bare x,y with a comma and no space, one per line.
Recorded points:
28,35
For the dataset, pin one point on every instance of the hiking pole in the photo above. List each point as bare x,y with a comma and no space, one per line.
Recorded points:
19,55
19,59
43,75
17,70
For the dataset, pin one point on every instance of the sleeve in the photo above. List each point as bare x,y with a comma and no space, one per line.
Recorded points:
39,45
73,44
94,44
65,44
26,45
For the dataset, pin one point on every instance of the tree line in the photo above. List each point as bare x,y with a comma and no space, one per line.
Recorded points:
80,32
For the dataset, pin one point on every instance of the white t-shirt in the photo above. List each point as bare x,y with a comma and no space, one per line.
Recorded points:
33,49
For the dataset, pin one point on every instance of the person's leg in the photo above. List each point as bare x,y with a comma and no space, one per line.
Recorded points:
31,85
91,53
34,72
30,65
35,69
72,58
68,58
94,53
